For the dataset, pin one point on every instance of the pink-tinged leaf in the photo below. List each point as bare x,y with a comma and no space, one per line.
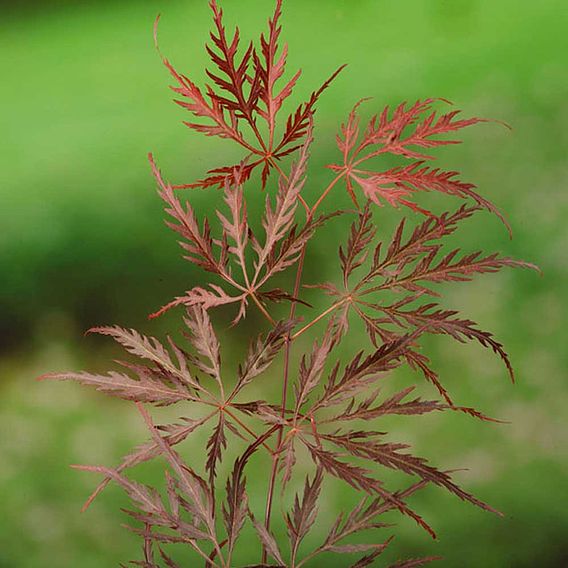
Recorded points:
304,512
176,434
220,177
236,228
206,299
204,339
369,558
268,542
145,389
146,498
148,348
361,236
216,444
200,503
439,321
194,101
390,455
236,508
359,478
223,54
261,354
398,133
418,177
311,369
198,243
278,221
360,373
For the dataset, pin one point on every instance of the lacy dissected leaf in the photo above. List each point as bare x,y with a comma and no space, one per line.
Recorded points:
451,268
361,236
236,229
278,220
311,369
403,251
176,433
236,508
360,479
146,498
270,68
268,542
293,245
216,444
199,501
262,353
363,517
213,297
395,405
440,321
151,349
362,444
369,558
220,177
298,123
144,389
304,512
360,373
198,243
193,100
245,89
401,133
205,341
231,76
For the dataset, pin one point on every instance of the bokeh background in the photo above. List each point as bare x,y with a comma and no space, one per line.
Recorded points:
84,97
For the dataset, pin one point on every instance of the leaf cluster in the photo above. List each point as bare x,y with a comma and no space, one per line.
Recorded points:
332,410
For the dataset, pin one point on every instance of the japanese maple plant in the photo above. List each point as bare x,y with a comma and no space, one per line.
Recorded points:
334,400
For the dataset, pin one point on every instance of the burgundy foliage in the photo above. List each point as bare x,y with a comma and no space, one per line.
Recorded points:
331,410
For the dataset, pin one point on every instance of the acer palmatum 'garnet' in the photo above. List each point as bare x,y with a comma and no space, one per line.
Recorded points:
330,410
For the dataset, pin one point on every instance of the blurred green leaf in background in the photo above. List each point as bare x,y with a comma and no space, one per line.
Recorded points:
84,97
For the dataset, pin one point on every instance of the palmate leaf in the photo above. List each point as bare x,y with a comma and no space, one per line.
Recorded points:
398,133
245,89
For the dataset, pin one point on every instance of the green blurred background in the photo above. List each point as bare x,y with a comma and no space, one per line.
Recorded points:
82,242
